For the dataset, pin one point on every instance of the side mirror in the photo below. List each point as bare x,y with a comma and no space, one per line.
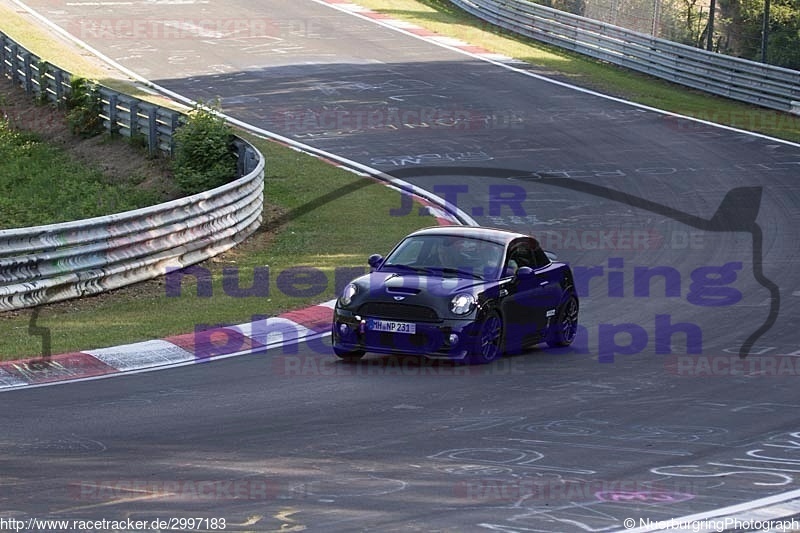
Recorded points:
524,272
375,260
550,255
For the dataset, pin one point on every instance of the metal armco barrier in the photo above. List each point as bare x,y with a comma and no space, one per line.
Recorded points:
59,261
739,79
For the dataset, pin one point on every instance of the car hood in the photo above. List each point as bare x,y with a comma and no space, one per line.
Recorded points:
382,284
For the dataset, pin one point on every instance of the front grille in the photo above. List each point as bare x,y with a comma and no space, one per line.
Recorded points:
422,343
398,311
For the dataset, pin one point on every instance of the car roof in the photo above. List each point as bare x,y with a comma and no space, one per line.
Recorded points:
475,232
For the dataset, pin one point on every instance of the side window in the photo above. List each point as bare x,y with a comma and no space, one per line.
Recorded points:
540,257
525,256
527,253
519,255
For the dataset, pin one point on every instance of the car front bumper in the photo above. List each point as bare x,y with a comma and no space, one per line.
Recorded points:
450,339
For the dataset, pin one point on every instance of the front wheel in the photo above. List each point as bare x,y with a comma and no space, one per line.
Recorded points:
490,341
563,332
351,356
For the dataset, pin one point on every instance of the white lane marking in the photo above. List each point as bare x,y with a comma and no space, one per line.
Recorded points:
347,164
489,59
353,164
444,43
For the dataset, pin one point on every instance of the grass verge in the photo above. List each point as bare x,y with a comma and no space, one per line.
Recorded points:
317,216
444,18
322,216
42,184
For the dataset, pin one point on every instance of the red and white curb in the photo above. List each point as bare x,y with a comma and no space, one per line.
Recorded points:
191,348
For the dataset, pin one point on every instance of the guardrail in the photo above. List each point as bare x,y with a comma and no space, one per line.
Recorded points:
130,117
59,261
739,79
121,114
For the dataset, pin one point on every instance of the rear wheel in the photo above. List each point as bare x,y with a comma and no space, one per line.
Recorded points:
350,356
563,332
489,345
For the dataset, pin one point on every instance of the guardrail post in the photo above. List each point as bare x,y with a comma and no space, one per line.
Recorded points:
175,123
251,157
3,69
12,56
27,71
112,113
40,87
246,157
152,134
133,119
58,77
241,153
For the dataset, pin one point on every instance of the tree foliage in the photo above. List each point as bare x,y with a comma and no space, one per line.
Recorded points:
737,28
741,25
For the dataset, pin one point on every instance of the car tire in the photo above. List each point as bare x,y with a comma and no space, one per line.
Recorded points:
563,332
489,343
351,356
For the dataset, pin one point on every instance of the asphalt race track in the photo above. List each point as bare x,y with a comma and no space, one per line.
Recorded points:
622,425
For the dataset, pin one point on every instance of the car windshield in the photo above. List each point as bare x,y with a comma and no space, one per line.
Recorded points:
448,255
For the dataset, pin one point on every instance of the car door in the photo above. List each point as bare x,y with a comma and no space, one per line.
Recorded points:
548,279
527,293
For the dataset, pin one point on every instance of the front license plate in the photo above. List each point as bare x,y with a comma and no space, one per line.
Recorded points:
391,326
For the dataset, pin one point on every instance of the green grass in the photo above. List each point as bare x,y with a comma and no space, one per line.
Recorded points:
315,215
326,218
43,184
442,17
323,216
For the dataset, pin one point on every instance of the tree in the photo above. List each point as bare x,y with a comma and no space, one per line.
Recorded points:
741,30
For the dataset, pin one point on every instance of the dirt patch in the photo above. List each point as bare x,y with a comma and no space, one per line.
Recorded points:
120,162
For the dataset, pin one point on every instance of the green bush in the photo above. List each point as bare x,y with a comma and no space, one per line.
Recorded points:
204,156
84,108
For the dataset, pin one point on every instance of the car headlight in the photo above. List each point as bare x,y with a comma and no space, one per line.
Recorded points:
461,304
348,293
